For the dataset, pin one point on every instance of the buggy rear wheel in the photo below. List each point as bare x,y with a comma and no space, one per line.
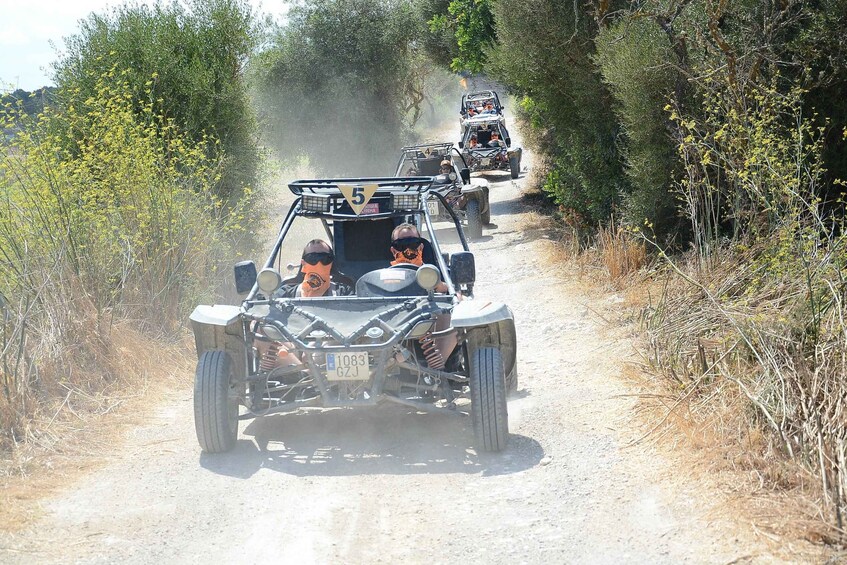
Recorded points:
515,166
215,407
474,219
488,399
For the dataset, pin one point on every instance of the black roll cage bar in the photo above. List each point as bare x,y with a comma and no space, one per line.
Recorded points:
479,95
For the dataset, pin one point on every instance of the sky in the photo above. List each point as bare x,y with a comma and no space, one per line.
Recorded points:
31,32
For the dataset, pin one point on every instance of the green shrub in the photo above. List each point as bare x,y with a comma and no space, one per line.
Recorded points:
106,214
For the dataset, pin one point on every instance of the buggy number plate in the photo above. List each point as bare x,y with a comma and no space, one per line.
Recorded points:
347,367
432,206
485,162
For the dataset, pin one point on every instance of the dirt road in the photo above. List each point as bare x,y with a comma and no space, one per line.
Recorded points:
394,486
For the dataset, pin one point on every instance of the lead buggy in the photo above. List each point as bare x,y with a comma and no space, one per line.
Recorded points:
374,347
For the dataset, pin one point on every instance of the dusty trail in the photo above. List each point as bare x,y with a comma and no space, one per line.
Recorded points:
393,486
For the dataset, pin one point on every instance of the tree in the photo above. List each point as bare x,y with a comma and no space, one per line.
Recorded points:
471,24
544,52
189,60
336,83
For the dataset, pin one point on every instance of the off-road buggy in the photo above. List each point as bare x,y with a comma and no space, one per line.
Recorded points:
482,151
388,343
468,197
477,104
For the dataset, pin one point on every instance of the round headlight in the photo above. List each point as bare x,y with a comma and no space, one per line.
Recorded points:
269,280
427,277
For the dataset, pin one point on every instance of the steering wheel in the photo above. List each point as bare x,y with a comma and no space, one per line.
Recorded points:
404,266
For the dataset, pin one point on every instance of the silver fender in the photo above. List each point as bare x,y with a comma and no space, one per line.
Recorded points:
220,327
489,324
479,312
479,185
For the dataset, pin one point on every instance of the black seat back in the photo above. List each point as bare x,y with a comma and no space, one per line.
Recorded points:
483,137
363,246
429,167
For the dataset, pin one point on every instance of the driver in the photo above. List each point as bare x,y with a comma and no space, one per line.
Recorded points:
446,167
495,140
316,266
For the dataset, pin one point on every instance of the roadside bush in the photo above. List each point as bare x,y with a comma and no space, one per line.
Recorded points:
189,58
107,214
544,53
635,59
765,315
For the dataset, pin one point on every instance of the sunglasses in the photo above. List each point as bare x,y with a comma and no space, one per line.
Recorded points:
406,243
313,257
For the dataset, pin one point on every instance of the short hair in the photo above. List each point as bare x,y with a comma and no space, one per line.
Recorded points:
402,227
318,242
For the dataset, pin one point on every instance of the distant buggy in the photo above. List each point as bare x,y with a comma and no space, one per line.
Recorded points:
467,196
483,151
378,346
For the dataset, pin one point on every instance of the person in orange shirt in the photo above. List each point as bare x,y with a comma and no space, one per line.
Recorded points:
316,266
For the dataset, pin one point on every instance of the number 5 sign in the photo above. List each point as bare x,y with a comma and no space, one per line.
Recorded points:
357,196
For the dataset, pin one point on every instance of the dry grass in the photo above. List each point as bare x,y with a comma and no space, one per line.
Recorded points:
737,375
67,435
622,253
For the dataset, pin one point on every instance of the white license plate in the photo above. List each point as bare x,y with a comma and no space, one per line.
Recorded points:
347,367
432,206
485,162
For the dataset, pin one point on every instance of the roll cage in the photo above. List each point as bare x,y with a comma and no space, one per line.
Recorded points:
480,96
361,240
482,128
426,159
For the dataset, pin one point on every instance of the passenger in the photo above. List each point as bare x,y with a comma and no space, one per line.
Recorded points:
407,247
472,143
495,140
316,266
446,167
489,108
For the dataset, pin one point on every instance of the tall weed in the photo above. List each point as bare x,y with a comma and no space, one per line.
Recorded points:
764,315
104,216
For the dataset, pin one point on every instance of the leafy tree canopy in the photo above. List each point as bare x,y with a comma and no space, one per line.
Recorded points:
188,58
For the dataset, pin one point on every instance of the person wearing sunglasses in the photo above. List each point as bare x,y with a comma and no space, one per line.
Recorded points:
407,248
316,267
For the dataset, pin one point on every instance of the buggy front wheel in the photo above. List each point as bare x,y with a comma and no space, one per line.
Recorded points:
488,399
215,405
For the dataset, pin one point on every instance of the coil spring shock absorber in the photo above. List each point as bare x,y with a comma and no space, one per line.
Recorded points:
269,360
434,360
